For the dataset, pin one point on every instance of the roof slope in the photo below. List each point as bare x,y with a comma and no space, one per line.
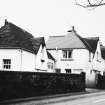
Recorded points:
13,36
103,51
68,41
72,41
92,42
36,42
50,56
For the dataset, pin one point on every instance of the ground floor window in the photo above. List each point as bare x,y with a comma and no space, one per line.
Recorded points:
68,71
50,65
58,70
6,63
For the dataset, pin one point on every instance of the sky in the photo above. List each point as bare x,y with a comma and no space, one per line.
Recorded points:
43,18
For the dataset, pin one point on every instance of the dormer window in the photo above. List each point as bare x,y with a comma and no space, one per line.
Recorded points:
67,53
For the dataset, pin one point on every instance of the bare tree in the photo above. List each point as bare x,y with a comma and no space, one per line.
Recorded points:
90,3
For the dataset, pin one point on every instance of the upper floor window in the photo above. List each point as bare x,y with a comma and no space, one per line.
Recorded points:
67,53
6,63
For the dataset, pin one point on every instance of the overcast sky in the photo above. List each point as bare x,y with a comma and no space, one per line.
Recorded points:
53,17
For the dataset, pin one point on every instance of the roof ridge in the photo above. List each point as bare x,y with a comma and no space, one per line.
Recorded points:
19,38
92,37
57,36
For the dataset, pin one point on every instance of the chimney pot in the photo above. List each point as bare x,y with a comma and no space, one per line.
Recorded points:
71,29
6,22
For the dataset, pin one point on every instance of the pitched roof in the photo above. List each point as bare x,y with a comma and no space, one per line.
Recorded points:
72,41
103,51
92,42
68,41
37,42
12,36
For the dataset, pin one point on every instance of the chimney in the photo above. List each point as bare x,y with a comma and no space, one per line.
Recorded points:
6,22
72,30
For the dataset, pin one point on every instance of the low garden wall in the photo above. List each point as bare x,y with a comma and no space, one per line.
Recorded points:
29,84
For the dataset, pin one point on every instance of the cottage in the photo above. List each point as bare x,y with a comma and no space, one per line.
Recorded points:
103,58
75,54
20,51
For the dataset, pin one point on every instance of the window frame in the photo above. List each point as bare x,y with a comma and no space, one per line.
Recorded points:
58,70
68,71
50,65
6,64
65,54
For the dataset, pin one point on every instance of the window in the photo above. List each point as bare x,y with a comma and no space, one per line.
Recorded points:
64,54
67,54
58,70
7,63
68,71
50,65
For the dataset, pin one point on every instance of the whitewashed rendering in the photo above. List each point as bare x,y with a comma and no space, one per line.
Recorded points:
71,53
75,54
20,51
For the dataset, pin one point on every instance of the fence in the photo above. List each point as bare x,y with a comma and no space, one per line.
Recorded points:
29,84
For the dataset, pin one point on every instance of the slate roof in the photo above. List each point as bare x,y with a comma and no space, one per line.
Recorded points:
72,41
36,42
92,42
12,36
103,51
61,42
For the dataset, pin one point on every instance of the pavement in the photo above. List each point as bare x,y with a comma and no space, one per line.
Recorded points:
92,90
73,96
97,98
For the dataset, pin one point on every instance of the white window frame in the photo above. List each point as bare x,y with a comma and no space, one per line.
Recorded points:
7,64
66,54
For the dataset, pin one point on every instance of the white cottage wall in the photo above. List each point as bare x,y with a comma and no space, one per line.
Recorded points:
51,70
78,63
98,61
28,61
41,60
81,61
14,55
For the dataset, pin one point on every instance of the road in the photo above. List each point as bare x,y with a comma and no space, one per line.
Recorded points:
97,98
94,100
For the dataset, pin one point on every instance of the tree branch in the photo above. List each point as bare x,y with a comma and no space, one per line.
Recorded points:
90,4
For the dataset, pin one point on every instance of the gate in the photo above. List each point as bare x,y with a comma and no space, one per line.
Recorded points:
100,81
